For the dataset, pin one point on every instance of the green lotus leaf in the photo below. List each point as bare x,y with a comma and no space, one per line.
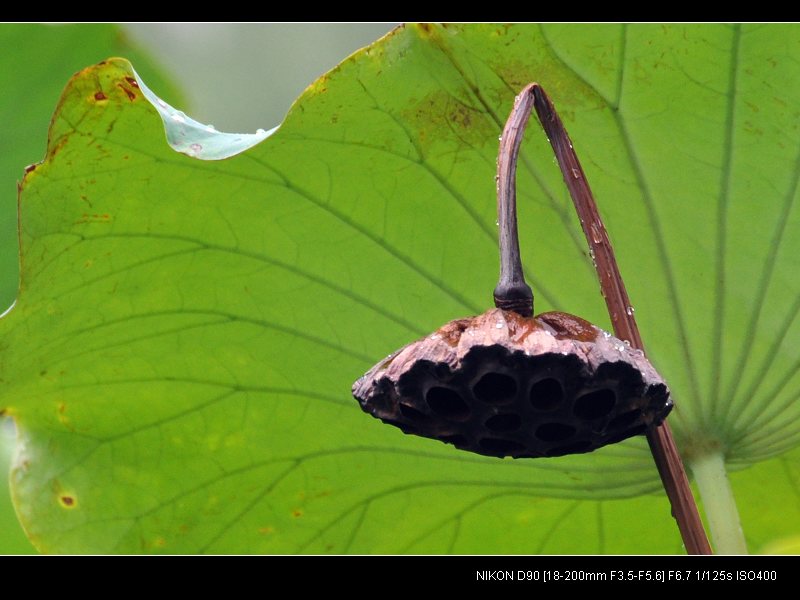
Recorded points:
180,357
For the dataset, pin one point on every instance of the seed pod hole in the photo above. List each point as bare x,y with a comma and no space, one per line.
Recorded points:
495,388
595,404
447,403
546,394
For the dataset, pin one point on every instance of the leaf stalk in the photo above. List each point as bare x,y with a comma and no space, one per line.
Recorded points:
720,506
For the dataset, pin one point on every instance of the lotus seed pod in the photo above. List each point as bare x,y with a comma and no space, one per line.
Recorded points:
501,384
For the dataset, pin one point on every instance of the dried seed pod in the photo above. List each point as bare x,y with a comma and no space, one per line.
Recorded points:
505,383
501,384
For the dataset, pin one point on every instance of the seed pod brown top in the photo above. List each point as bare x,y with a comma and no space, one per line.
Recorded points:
501,384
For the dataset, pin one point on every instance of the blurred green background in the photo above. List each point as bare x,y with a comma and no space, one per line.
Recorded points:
240,77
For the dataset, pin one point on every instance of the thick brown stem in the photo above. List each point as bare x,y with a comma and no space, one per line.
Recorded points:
511,293
662,444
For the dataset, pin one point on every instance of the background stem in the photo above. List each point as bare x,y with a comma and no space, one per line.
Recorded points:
662,444
715,489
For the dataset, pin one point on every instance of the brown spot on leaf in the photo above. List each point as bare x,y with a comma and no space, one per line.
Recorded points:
30,168
130,93
59,145
442,118
296,513
132,81
99,96
93,218
571,94
67,501
319,86
430,31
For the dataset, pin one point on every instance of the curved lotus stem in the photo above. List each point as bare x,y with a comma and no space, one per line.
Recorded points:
511,293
